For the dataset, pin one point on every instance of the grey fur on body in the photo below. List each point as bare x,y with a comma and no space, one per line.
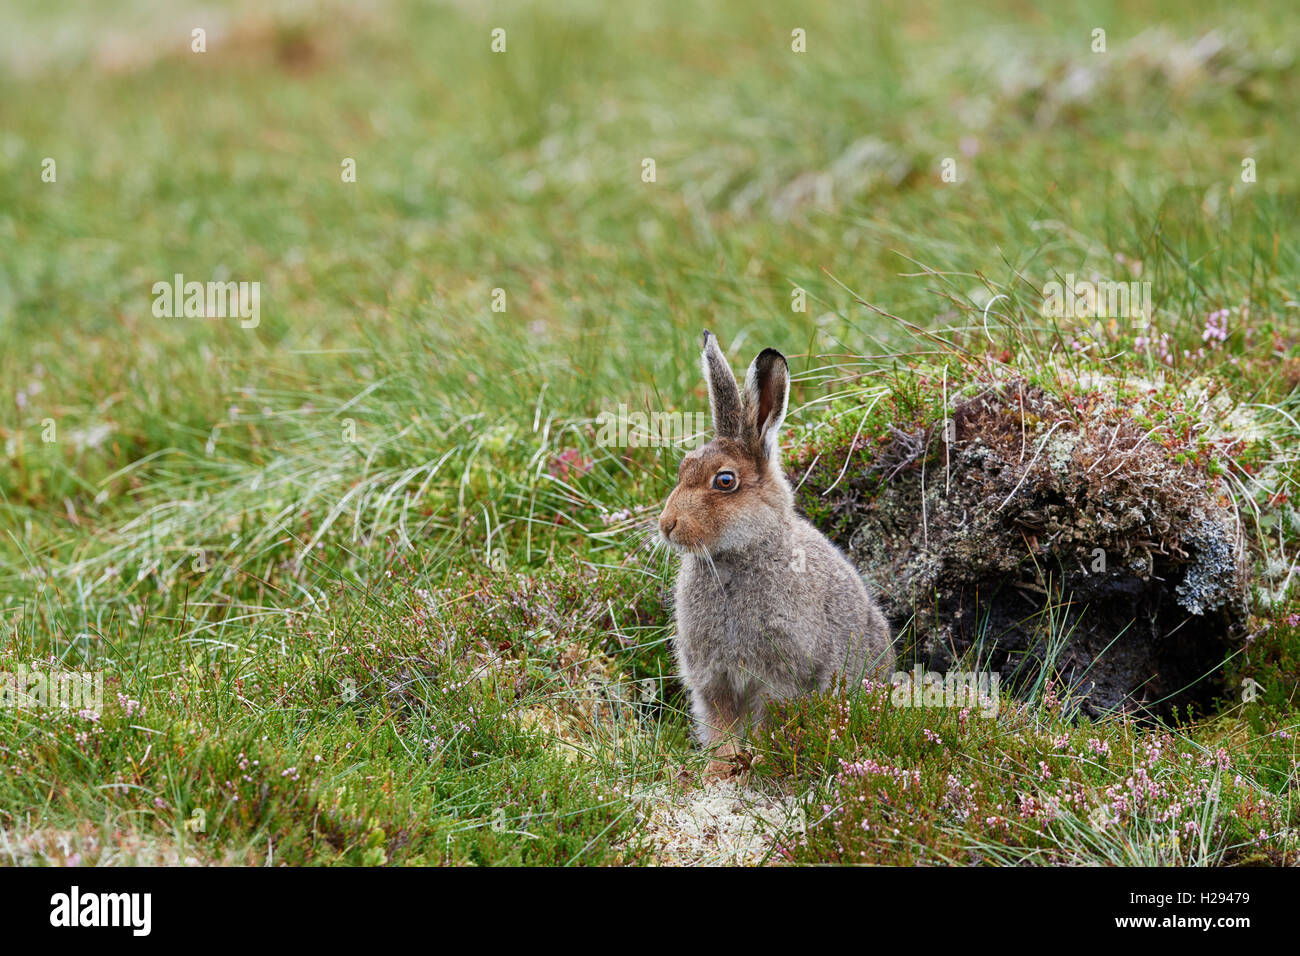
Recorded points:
750,631
767,608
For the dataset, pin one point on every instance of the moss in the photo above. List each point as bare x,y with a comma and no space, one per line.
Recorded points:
1050,532
893,784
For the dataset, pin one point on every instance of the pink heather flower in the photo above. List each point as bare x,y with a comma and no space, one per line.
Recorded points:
1220,759
1158,345
1216,328
569,460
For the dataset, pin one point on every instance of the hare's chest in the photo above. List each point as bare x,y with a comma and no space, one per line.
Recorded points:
728,622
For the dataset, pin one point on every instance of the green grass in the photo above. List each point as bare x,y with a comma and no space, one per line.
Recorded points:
892,784
381,594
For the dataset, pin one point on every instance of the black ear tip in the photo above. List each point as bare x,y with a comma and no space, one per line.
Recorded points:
707,335
768,356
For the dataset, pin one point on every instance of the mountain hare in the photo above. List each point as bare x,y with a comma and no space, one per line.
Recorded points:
767,607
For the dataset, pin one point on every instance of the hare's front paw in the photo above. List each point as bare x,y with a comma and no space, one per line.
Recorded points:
728,760
719,770
722,761
720,723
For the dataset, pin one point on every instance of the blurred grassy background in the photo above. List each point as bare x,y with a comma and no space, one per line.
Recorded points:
521,171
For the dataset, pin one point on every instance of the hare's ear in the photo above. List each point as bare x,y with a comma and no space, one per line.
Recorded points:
724,396
767,392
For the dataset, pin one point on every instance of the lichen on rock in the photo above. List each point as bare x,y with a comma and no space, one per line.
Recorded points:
1038,529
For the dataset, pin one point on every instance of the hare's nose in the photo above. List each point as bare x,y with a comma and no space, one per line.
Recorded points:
666,525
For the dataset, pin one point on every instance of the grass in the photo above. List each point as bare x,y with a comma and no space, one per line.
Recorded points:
376,589
885,781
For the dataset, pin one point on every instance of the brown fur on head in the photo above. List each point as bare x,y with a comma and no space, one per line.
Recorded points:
731,494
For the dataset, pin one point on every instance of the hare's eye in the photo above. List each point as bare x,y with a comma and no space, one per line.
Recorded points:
724,480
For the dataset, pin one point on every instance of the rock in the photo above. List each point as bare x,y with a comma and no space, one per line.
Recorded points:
1031,532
